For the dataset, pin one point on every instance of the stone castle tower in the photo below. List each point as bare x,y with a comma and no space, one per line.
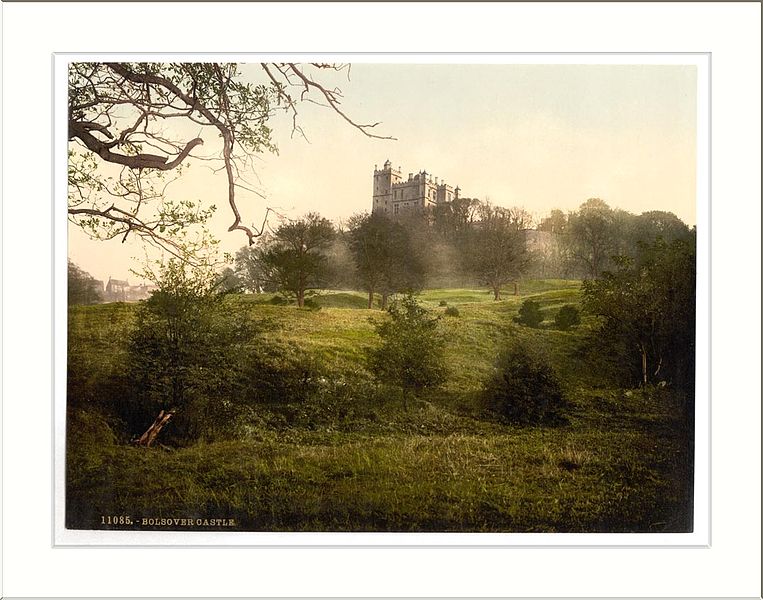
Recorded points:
393,196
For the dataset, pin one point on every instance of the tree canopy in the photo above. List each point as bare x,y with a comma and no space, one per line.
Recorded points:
648,306
295,260
384,258
497,252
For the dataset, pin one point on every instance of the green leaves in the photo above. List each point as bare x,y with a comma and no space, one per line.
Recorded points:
294,259
648,305
411,353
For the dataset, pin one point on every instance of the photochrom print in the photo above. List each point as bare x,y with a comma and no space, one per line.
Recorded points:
404,296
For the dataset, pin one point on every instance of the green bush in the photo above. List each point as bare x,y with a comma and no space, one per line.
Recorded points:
452,311
529,314
443,303
182,356
278,373
278,300
411,353
568,316
312,304
524,390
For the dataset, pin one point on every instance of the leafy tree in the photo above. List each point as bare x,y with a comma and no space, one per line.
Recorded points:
568,316
249,268
524,389
229,281
295,260
592,235
182,355
134,126
82,288
556,222
411,353
530,314
650,226
648,305
384,258
496,251
453,220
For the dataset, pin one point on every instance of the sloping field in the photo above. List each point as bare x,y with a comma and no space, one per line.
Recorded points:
360,462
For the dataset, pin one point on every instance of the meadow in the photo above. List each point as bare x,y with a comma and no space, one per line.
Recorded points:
356,459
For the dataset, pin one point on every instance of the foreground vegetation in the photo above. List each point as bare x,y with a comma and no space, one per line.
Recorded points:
349,455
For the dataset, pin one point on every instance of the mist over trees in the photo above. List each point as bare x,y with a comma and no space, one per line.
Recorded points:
496,251
464,243
82,288
385,259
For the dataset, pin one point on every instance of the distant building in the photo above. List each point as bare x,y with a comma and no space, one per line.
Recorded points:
394,196
120,290
116,290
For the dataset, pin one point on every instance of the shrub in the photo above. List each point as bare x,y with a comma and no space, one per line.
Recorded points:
452,311
274,374
529,314
312,304
443,303
411,353
182,355
524,390
568,316
278,300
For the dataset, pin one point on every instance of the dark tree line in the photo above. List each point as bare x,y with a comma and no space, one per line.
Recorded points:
647,305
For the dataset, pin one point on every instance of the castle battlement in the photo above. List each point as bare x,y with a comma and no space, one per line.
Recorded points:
393,196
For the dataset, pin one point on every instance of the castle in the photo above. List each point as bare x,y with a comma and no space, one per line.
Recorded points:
393,196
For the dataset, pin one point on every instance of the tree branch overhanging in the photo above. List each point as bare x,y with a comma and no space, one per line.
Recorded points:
116,111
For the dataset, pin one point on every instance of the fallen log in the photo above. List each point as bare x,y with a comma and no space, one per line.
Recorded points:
150,435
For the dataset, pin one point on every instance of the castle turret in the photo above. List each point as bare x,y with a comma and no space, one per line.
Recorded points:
384,179
393,196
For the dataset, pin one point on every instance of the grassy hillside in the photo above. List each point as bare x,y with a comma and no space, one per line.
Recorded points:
354,460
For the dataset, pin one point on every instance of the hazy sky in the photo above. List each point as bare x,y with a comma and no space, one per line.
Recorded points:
536,136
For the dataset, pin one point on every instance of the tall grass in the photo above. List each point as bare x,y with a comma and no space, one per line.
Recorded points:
356,461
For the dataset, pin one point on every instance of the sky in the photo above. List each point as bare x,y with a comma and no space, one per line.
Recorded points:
536,136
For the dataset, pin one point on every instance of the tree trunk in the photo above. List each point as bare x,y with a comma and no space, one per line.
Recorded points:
370,299
385,296
516,289
644,373
496,292
152,432
301,298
